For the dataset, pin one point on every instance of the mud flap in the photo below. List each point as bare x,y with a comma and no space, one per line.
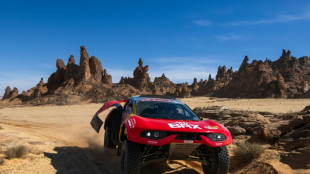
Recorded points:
96,123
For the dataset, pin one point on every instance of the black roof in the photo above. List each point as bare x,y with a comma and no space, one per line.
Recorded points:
158,96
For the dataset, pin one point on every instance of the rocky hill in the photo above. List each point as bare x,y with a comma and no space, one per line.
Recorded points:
287,77
288,133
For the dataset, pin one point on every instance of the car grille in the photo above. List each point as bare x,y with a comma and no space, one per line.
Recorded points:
187,136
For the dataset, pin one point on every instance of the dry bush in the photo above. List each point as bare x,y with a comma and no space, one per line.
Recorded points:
1,127
34,150
1,161
19,151
246,152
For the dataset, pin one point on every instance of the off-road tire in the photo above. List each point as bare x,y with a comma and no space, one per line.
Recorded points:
130,158
220,161
108,144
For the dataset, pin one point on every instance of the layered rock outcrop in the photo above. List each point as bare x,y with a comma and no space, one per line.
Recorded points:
9,93
287,77
84,64
163,86
288,133
141,78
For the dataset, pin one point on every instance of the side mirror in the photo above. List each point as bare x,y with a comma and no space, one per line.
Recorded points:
202,118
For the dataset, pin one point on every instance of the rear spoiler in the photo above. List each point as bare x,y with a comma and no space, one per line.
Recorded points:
96,122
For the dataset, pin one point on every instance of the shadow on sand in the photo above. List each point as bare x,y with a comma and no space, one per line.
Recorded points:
76,160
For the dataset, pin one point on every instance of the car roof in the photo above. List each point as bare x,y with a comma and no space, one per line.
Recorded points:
162,98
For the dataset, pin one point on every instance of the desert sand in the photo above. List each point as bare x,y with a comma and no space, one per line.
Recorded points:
70,145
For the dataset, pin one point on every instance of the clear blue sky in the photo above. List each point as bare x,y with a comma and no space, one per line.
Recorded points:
184,39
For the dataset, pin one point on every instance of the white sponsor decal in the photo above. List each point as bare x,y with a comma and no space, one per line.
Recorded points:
188,141
132,123
183,125
152,142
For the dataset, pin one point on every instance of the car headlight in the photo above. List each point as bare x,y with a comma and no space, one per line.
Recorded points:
154,135
216,137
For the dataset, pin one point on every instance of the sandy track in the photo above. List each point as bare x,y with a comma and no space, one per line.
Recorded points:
70,145
68,142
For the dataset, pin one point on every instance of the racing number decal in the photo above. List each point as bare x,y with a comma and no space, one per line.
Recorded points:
131,123
183,125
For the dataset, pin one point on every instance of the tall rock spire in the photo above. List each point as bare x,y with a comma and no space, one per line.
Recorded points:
84,64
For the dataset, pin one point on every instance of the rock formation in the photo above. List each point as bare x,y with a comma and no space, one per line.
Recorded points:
141,78
84,64
57,78
39,90
287,77
182,90
95,69
163,86
6,93
72,70
10,94
288,133
106,78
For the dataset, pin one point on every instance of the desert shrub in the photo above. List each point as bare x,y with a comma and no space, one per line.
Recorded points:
18,151
1,161
246,152
1,127
34,150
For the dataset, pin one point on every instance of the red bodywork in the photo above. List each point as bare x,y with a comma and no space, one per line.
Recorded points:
137,124
110,104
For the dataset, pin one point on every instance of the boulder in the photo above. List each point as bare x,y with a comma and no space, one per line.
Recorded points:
236,130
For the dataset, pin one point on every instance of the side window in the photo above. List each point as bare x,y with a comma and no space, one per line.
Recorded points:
128,109
180,110
187,114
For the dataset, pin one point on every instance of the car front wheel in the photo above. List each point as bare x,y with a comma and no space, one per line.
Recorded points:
216,160
130,158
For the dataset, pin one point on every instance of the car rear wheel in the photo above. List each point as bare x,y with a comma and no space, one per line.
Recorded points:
216,161
108,144
130,158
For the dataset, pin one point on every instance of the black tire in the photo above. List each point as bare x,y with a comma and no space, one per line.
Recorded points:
130,158
108,144
218,163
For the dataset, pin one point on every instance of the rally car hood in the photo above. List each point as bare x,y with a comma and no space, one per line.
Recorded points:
206,126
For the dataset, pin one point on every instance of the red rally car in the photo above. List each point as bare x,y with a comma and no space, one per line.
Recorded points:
149,128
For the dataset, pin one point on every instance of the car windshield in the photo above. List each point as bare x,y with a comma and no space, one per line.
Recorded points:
165,110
